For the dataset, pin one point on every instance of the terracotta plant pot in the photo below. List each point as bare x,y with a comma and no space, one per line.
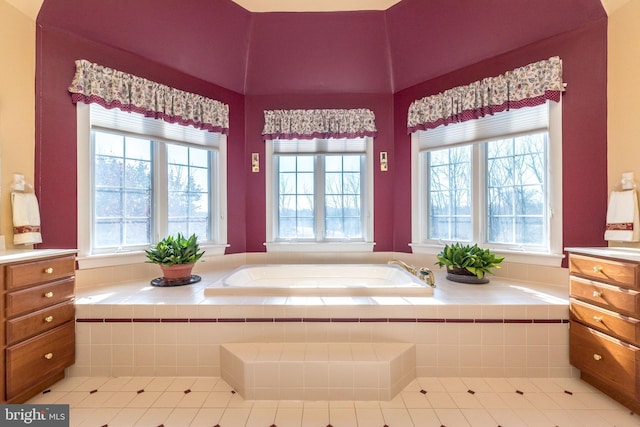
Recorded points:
177,272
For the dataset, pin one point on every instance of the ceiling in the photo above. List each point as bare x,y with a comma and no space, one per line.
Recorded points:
32,7
314,5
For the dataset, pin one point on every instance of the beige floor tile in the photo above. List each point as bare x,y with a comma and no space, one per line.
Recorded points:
343,417
167,399
415,399
207,417
424,417
315,417
451,417
99,417
235,417
506,417
288,417
127,417
466,400
477,417
261,417
217,399
180,417
440,400
153,417
144,400
397,417
194,399
369,416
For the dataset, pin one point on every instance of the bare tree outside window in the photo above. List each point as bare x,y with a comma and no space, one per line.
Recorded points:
516,185
123,199
188,191
449,184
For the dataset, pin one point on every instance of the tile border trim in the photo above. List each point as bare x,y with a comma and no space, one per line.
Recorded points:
316,320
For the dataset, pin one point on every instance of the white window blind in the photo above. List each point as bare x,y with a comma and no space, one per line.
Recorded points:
320,146
136,124
505,124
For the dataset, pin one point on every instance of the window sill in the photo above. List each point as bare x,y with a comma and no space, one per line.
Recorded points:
521,257
137,257
320,247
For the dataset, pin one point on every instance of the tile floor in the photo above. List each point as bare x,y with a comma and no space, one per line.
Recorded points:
448,402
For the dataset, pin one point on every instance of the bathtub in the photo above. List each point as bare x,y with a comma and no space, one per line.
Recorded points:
320,280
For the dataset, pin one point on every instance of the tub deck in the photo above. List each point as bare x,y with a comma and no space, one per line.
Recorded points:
499,292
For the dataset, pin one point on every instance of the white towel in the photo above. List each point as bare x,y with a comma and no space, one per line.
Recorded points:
623,223
26,219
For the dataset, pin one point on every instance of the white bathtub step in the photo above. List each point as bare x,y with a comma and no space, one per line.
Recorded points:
318,371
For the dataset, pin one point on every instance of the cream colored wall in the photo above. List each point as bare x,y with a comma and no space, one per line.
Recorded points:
623,124
17,101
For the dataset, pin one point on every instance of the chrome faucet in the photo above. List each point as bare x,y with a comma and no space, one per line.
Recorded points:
423,273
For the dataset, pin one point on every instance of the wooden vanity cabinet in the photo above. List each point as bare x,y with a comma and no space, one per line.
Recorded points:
604,339
38,317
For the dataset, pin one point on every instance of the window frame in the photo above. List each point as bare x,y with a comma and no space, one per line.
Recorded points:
419,205
273,244
87,258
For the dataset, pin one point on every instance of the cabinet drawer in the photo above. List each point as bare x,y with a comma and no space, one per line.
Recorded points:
608,322
29,273
606,358
604,270
31,361
38,297
626,301
40,321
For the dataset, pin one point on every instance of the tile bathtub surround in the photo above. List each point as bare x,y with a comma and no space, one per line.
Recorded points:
506,328
425,402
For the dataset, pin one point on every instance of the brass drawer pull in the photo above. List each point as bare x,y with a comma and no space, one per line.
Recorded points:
596,356
48,356
48,270
48,294
48,319
597,318
597,294
597,269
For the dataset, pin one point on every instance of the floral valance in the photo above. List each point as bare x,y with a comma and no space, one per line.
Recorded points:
308,124
115,89
526,86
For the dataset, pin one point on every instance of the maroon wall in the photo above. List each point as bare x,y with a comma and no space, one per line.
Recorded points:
55,157
584,128
432,38
318,53
207,39
379,60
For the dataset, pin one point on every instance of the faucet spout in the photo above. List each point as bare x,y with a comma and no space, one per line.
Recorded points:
423,273
410,268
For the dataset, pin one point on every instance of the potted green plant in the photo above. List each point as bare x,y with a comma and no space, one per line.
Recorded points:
176,256
468,263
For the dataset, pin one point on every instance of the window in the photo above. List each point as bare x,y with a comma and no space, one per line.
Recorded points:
145,179
122,194
495,181
320,192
